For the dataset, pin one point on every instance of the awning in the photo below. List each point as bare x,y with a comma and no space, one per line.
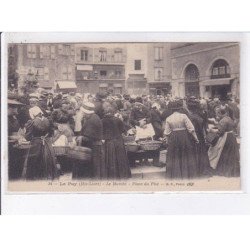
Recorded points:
45,85
214,82
103,85
66,85
117,85
85,67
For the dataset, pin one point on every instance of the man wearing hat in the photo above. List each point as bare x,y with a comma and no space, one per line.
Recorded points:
92,134
99,99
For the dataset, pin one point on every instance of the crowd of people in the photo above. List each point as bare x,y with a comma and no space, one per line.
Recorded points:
199,134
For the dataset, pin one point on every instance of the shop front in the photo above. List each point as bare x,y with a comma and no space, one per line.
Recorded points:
137,84
218,87
163,88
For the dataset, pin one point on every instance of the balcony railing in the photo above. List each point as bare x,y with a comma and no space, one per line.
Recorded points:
82,78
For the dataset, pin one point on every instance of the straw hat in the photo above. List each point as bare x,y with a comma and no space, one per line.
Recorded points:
88,108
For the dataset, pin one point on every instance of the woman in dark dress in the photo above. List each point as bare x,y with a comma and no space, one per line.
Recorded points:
204,168
116,161
224,156
181,139
91,137
40,161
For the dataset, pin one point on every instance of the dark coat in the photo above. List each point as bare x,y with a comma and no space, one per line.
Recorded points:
99,108
156,123
113,127
116,161
138,114
41,161
92,132
92,128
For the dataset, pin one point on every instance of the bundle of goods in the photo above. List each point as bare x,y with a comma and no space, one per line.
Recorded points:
132,146
60,150
79,153
150,145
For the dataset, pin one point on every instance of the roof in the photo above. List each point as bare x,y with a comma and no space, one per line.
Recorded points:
66,85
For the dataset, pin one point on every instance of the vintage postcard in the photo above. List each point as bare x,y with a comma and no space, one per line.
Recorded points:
121,116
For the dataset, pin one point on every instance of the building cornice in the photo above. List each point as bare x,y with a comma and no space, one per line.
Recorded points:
206,50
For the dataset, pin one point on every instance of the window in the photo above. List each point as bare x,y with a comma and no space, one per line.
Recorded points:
158,74
103,73
137,64
44,51
191,73
118,56
31,51
67,50
158,53
60,49
103,55
118,74
118,90
192,87
64,49
52,52
67,73
84,55
220,69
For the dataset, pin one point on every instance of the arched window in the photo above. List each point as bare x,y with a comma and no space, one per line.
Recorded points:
192,81
191,73
220,69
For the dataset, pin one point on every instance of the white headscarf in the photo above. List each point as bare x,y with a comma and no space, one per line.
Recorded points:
34,112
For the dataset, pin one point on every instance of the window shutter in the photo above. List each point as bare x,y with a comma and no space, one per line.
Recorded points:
90,55
70,73
72,48
41,51
78,54
33,51
156,53
161,53
60,49
29,51
52,52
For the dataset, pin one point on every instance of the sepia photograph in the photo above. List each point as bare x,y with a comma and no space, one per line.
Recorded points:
123,116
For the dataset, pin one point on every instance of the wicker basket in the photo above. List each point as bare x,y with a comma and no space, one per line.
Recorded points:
128,138
60,150
132,147
79,153
150,145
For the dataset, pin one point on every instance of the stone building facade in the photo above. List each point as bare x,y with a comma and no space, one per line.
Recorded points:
159,68
206,69
136,69
46,63
100,67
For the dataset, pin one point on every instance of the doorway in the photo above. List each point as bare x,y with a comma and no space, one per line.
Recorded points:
192,87
220,91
